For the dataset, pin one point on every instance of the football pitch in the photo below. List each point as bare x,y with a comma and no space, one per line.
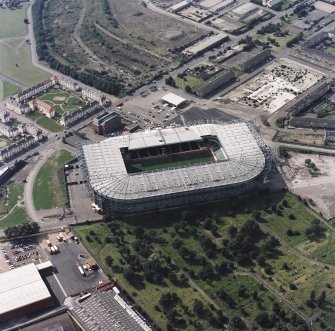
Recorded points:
172,163
63,101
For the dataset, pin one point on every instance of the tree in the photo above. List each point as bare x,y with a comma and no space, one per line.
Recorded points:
321,299
108,260
26,21
232,231
315,231
170,81
168,300
238,323
198,308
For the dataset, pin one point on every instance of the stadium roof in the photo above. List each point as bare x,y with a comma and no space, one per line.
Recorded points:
21,287
173,99
150,138
244,161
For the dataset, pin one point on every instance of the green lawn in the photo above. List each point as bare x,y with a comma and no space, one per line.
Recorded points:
11,22
17,216
49,124
281,40
49,187
139,167
15,191
69,103
15,62
193,82
9,89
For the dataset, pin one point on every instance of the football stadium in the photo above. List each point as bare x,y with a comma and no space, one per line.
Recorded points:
164,168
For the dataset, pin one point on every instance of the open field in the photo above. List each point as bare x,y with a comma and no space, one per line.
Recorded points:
200,242
281,40
113,50
7,90
318,186
15,62
63,101
17,216
49,187
139,167
301,138
9,197
11,22
45,122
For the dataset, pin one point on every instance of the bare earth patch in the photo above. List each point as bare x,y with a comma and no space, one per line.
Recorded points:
59,98
3,144
320,188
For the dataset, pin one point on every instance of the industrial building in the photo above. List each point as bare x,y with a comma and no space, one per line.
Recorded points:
313,123
106,123
174,100
243,11
22,291
255,60
271,3
216,84
199,163
179,6
205,45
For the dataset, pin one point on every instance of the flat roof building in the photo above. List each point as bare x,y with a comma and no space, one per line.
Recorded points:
174,100
206,44
22,291
243,11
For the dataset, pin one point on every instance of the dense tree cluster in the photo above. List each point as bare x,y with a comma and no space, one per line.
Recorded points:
315,231
22,230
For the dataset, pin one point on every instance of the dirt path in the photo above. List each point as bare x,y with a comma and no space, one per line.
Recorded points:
294,251
275,293
77,38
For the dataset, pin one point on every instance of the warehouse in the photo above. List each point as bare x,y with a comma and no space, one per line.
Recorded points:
206,44
243,11
168,167
22,291
174,100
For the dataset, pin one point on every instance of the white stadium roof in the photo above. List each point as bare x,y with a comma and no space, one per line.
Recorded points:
108,176
173,99
21,287
150,138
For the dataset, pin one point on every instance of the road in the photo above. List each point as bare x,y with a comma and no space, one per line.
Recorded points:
13,82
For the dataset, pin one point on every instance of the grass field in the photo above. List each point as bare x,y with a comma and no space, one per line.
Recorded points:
49,187
63,102
140,167
8,89
15,191
17,216
214,223
193,82
45,122
281,40
15,62
11,22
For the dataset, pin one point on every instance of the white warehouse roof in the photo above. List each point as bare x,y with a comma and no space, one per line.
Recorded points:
173,99
21,287
244,161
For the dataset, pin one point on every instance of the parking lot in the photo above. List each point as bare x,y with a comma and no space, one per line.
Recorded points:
18,253
67,272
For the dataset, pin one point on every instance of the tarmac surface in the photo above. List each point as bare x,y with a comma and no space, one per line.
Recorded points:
67,272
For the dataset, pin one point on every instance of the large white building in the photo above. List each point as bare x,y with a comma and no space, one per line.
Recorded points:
22,291
236,159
